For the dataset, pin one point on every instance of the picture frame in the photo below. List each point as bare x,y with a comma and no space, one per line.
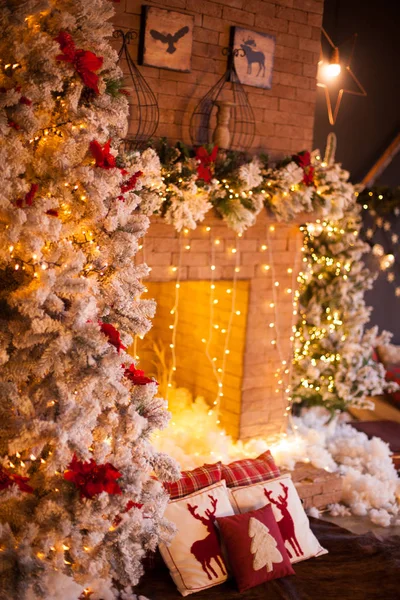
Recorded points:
253,56
166,39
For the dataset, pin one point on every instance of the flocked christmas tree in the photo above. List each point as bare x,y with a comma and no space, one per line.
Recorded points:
333,362
78,506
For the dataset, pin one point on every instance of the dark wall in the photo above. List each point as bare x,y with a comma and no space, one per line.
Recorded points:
366,126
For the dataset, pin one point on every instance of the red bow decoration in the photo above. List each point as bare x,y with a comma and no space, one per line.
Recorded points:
84,61
92,479
130,184
303,160
113,335
22,100
25,100
8,479
128,507
102,155
29,196
137,376
205,160
13,124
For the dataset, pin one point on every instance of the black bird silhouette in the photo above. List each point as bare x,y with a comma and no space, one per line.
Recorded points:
170,39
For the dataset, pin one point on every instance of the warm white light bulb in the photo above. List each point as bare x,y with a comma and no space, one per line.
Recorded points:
332,70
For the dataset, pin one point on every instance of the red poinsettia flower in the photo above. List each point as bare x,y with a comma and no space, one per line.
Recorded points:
137,376
84,61
132,504
22,100
92,479
13,125
102,155
113,335
29,196
303,159
130,184
25,100
128,507
8,479
205,162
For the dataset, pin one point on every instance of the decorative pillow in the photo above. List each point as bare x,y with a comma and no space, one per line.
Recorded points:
250,470
389,354
300,542
191,481
194,556
255,547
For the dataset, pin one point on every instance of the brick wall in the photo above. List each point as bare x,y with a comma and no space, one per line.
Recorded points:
317,487
285,114
256,407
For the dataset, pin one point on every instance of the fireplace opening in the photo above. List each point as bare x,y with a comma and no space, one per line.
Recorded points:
199,332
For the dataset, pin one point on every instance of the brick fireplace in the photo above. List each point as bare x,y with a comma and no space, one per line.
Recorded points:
284,117
250,406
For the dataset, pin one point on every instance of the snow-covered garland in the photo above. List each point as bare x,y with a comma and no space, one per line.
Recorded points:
238,187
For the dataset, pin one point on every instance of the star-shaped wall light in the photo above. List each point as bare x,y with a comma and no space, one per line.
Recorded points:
336,76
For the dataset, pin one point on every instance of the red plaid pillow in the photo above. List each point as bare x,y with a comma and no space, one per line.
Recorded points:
250,470
191,481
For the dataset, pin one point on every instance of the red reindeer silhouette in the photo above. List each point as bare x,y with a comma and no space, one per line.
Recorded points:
208,548
286,525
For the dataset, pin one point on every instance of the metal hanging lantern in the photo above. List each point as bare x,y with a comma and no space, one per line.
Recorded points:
144,102
224,115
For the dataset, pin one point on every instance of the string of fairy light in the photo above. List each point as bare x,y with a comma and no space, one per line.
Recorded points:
219,372
284,372
174,312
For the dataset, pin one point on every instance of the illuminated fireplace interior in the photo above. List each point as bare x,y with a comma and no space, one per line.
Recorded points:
208,346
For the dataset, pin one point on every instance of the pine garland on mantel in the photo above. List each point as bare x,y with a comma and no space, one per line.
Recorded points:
238,187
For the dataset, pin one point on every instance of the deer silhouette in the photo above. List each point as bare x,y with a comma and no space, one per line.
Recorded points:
208,548
286,524
253,56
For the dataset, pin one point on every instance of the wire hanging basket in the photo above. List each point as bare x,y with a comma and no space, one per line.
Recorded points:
145,120
226,101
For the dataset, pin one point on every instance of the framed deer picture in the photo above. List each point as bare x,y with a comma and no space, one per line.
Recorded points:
254,56
166,39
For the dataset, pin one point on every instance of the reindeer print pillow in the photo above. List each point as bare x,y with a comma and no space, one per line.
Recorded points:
194,557
280,493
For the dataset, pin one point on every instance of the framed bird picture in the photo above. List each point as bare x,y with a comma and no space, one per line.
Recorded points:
167,38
